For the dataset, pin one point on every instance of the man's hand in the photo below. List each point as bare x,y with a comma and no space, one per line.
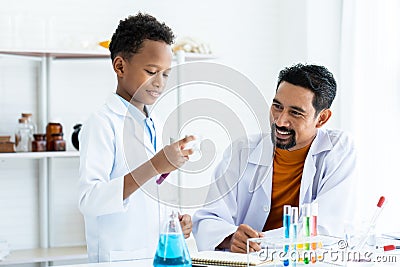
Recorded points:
186,224
238,240
172,156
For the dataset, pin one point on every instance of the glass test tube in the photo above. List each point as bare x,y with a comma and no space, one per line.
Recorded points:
306,210
287,209
294,223
314,227
286,220
293,228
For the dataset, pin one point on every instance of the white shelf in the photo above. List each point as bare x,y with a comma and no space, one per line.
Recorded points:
39,155
70,54
79,54
45,255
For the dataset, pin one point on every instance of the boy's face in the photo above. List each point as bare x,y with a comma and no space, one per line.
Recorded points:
141,80
293,121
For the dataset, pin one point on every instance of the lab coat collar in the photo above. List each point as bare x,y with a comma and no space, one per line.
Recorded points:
263,155
116,105
121,107
263,152
321,143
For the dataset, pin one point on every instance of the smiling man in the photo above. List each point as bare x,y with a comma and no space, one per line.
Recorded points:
298,162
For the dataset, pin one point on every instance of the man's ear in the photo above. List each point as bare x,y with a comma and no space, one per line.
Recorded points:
323,117
119,66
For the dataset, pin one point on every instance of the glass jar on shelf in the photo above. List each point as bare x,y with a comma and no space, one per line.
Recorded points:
23,136
39,144
57,142
52,128
31,124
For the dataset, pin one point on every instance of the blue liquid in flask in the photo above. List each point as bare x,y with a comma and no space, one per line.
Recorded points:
172,249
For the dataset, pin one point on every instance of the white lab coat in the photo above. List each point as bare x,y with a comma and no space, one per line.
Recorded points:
113,143
242,193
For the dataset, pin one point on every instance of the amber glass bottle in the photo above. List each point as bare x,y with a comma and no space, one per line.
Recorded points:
52,128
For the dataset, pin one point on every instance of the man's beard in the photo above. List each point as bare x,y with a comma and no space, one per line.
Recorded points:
283,144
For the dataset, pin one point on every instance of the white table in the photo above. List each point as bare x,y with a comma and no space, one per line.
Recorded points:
149,263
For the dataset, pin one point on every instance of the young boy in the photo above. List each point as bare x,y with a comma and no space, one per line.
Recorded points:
118,160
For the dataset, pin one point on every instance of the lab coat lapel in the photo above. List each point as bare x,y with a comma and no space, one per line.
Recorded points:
262,156
261,172
321,143
142,136
307,179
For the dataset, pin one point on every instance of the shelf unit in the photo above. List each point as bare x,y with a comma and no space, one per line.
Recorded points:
45,254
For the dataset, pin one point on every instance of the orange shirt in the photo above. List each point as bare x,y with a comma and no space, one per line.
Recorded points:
286,179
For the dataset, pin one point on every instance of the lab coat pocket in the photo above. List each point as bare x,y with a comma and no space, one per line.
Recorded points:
125,255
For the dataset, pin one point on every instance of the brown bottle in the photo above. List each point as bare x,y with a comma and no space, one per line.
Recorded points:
57,142
39,144
52,128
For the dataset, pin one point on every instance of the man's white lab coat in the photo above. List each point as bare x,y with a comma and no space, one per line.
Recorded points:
242,191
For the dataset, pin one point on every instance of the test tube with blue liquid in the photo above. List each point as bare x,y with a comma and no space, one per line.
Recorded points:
287,209
306,213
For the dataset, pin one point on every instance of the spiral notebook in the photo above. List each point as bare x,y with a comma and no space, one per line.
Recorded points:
223,258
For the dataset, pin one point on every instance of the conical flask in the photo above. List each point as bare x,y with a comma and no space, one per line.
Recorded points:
172,249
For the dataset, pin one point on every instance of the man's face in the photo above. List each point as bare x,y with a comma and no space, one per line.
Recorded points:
145,74
292,116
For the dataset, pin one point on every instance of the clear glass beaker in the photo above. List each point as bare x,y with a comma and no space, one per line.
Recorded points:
172,249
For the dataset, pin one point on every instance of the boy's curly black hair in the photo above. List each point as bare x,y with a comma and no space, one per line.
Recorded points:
316,78
132,31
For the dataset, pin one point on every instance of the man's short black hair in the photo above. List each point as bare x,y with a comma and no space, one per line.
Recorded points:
318,79
132,31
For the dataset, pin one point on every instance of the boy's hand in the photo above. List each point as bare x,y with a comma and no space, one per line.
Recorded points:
172,156
186,224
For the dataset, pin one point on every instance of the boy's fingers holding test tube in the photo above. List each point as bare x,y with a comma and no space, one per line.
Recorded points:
182,144
172,156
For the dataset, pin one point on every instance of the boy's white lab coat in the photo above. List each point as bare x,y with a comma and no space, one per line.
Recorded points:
112,143
242,193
